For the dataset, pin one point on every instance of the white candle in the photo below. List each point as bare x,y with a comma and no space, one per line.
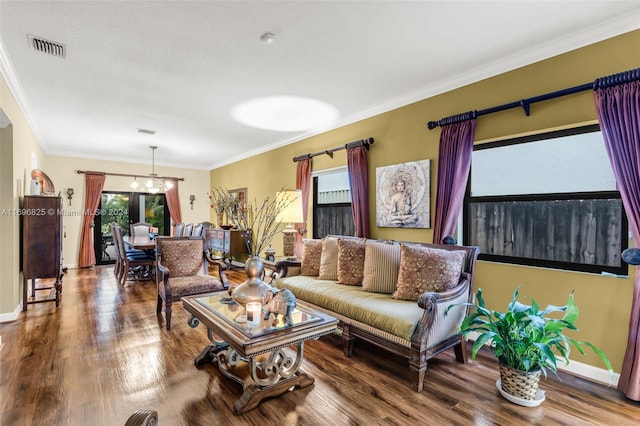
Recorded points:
254,314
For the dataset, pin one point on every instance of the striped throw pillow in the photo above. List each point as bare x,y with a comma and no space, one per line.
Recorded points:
381,266
329,259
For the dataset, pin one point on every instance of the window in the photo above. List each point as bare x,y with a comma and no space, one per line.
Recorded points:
126,208
332,204
548,200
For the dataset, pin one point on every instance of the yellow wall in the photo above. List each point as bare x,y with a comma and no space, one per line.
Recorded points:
18,145
401,136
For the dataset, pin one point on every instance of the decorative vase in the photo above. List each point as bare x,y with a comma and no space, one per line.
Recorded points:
253,289
521,384
220,220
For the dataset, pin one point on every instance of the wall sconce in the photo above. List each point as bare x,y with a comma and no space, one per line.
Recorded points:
69,194
191,199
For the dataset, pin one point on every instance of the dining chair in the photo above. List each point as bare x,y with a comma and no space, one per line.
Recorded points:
179,230
139,229
197,230
117,266
135,265
182,269
188,230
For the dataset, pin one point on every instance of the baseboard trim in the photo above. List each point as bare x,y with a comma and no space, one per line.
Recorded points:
11,316
580,369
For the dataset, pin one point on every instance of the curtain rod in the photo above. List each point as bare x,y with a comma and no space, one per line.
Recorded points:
129,175
600,83
329,152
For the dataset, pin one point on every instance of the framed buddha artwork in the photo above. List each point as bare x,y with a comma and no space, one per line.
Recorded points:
403,195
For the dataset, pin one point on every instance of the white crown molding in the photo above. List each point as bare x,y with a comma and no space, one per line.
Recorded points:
6,68
601,31
596,33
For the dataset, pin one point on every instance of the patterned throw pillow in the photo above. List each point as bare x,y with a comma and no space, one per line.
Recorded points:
350,261
381,265
329,259
311,252
426,269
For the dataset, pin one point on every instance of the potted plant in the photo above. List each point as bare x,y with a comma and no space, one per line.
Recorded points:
526,342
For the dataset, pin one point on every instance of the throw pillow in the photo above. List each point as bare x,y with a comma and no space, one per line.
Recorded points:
350,261
329,259
311,252
426,269
381,265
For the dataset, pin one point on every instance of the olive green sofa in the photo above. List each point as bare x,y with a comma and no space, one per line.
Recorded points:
416,329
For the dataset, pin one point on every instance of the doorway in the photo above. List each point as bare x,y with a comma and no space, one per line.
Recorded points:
125,208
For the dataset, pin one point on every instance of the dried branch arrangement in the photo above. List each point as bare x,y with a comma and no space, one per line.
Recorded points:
258,222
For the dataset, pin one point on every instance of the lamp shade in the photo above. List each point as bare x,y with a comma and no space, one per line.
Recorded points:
292,200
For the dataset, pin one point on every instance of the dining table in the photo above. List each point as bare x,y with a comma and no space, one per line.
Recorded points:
140,242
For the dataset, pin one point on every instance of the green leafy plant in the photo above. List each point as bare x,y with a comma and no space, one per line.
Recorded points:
524,337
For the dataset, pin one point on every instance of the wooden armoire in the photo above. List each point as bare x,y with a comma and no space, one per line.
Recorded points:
41,247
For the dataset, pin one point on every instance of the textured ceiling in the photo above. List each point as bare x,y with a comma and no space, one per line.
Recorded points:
179,67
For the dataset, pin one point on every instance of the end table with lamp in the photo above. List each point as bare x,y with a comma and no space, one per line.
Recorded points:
292,213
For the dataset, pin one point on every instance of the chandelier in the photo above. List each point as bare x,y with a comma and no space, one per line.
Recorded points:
153,185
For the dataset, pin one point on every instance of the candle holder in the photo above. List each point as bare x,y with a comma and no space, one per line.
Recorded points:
254,314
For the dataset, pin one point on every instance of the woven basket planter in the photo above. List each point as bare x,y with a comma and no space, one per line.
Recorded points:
521,384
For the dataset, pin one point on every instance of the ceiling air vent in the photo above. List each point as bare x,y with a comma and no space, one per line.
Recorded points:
52,48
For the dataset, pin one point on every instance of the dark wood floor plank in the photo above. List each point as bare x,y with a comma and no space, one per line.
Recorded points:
104,353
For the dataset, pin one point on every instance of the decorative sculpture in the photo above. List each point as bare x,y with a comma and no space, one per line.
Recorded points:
283,302
46,186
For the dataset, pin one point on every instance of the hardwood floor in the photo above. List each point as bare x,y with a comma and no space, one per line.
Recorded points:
104,354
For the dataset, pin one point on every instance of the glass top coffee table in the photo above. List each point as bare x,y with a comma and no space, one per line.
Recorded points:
255,356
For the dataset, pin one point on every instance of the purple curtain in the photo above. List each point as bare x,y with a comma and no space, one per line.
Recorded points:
618,109
303,182
92,193
454,163
359,184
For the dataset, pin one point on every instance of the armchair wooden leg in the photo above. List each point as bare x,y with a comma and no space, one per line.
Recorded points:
167,314
159,305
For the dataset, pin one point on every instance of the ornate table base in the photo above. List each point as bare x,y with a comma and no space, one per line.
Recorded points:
270,374
264,359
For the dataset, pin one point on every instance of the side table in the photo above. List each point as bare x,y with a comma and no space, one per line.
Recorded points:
273,266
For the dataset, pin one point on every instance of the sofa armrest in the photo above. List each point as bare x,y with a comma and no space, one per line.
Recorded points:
287,268
434,326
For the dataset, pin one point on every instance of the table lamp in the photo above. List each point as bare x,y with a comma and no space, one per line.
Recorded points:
292,213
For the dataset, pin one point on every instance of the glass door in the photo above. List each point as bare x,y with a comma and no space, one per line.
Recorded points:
126,208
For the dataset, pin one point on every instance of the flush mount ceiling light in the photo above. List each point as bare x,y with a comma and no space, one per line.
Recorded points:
285,113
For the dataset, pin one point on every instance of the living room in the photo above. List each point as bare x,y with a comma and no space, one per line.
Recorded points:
400,136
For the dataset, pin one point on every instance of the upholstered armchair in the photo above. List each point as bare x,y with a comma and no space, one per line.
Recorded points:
182,270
